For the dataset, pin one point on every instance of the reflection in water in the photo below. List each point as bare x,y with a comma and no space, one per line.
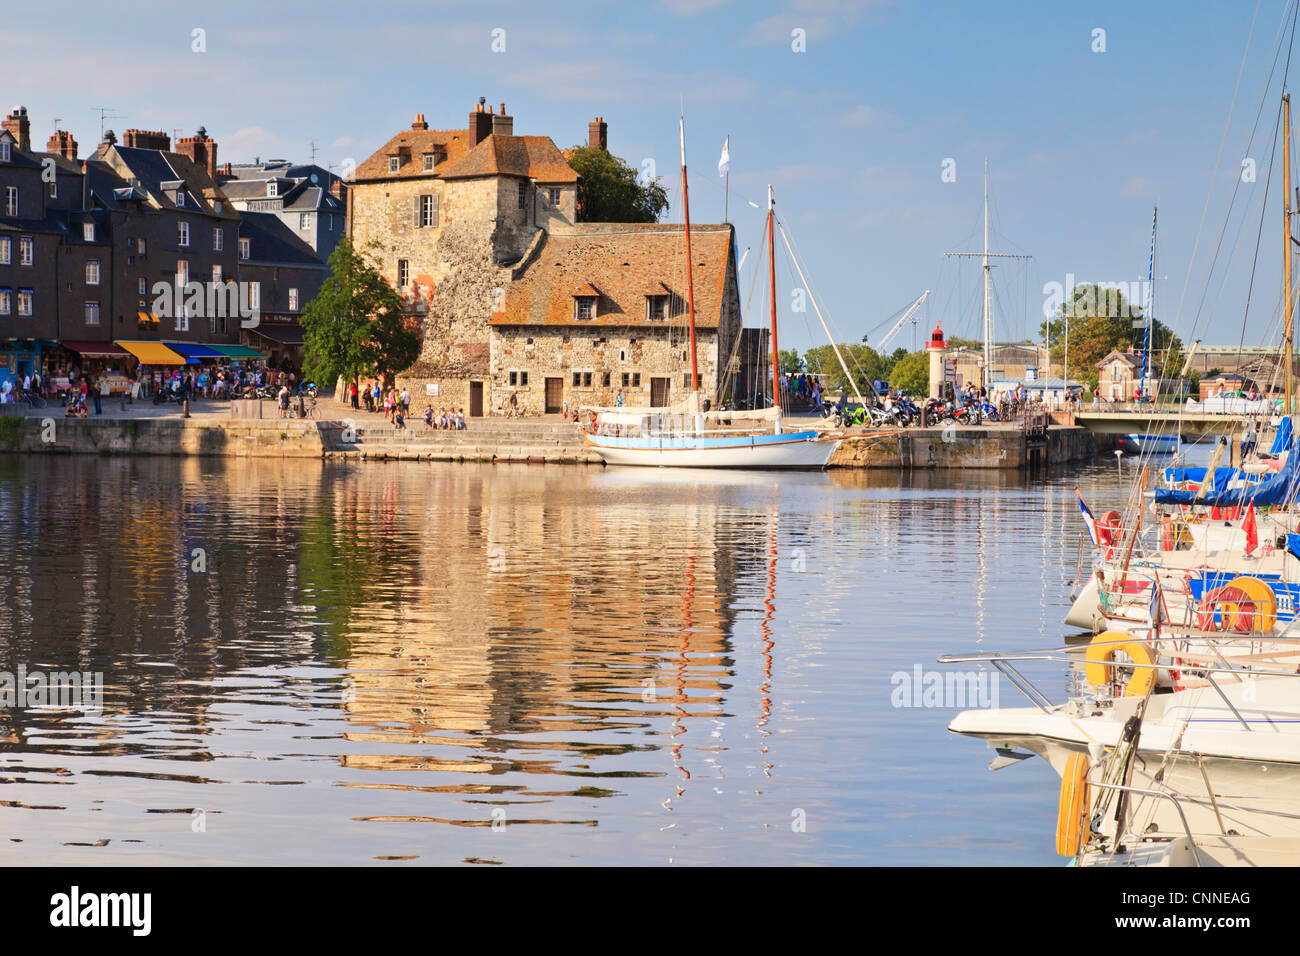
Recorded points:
443,663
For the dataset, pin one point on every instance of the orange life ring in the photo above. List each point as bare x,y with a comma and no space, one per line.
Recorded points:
1072,810
1099,666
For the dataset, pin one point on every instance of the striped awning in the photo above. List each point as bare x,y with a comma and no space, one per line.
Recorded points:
148,318
153,353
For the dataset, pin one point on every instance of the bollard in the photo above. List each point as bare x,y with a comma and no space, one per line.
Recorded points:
185,408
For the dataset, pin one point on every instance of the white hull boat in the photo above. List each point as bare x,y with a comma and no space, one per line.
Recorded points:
795,450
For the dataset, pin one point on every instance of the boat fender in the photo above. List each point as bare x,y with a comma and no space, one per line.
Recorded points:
1099,668
1072,812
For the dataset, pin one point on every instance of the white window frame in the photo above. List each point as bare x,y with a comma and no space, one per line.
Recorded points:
580,302
293,299
92,272
142,286
430,160
273,188
180,199
403,273
394,164
6,301
245,248
218,240
182,274
142,246
11,201
182,233
6,250
255,295
26,251
29,296
5,155
92,309
216,273
304,220
88,231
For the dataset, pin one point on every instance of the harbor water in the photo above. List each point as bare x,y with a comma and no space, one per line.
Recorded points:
424,663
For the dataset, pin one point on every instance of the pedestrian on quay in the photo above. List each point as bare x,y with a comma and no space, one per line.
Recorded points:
513,409
283,396
352,394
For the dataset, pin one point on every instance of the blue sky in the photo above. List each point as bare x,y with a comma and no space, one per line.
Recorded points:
852,133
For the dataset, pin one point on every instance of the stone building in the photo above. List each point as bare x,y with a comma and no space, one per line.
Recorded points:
478,228
603,310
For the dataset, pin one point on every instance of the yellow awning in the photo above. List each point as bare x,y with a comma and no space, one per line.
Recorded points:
153,353
147,318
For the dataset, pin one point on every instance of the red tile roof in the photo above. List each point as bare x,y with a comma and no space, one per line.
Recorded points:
534,157
621,268
415,143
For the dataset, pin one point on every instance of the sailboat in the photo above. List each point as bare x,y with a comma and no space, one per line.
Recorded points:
678,437
1150,443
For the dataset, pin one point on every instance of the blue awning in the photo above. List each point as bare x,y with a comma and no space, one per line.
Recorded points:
193,352
1282,441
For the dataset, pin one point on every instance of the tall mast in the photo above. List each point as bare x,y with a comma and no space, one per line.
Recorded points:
988,298
1286,252
1151,304
771,266
690,285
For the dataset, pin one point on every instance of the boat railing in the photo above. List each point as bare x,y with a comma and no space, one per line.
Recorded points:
1178,805
1005,663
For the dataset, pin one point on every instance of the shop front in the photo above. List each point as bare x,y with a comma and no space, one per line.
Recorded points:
155,360
74,360
19,358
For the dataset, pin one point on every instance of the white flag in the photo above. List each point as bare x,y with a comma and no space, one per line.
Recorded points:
724,161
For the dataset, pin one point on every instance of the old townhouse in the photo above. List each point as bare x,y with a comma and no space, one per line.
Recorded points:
286,273
309,200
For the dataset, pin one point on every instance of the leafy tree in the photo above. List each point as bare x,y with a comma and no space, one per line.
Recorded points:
790,361
357,324
912,374
611,191
1102,320
863,361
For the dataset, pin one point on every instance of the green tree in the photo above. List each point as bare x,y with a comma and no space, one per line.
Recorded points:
610,190
863,361
912,374
357,323
790,361
1102,320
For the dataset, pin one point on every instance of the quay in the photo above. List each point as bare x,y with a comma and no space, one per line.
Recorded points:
340,433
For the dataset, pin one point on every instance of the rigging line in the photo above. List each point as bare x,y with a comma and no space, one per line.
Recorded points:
1214,177
1259,233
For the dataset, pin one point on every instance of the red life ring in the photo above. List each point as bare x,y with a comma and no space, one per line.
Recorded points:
1225,609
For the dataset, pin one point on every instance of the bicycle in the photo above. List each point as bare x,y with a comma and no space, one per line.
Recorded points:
32,400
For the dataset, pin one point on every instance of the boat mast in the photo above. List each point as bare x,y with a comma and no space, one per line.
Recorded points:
690,285
1151,304
988,298
1286,251
771,266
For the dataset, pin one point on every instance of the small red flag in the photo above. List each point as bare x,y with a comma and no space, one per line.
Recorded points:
1252,533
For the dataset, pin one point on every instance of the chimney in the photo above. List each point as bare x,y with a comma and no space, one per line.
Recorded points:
224,171
480,123
110,139
503,125
63,144
17,124
598,134
419,122
337,188
146,139
200,150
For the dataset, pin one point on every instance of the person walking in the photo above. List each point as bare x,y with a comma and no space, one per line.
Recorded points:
352,394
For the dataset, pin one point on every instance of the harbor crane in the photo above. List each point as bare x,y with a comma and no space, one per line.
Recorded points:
908,313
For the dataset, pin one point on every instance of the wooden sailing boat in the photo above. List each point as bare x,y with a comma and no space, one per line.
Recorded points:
678,437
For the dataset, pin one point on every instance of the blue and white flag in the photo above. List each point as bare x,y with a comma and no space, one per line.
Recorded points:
1155,605
1088,520
724,161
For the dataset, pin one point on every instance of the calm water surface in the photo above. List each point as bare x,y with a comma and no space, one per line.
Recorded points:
434,663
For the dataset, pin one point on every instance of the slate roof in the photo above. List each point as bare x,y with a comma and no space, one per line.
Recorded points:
153,168
271,240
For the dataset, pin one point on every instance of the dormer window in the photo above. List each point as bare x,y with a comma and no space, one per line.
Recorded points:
394,163
88,231
216,205
273,188
661,307
4,151
584,307
180,199
430,160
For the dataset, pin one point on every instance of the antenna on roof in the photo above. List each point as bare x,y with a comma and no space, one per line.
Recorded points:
313,152
56,123
105,113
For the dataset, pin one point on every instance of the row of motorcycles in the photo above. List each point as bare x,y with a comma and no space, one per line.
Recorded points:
903,412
